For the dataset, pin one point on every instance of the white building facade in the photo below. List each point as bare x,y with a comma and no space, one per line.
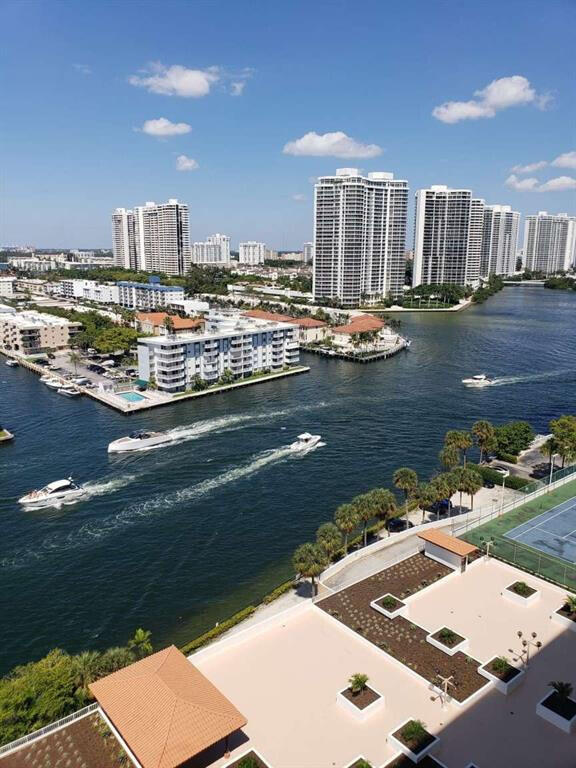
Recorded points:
214,250
308,253
123,239
448,237
90,290
499,240
252,252
549,242
359,236
151,295
7,286
31,332
230,343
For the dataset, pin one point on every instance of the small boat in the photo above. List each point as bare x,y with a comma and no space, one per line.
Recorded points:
140,439
480,380
68,391
51,382
54,493
12,363
305,441
5,435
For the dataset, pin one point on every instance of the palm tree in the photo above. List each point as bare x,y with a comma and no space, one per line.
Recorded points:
309,561
450,456
460,476
329,539
383,502
114,659
140,644
407,481
74,358
347,520
459,440
570,603
563,690
426,494
551,448
485,436
86,670
472,483
358,682
366,513
444,486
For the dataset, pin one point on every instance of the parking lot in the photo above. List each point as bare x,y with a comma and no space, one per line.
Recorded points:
90,367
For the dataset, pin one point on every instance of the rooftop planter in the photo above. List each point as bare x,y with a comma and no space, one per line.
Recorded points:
401,761
250,759
359,762
502,674
566,615
413,740
559,708
447,640
390,606
359,699
521,593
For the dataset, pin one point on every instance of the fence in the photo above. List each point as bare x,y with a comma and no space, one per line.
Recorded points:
48,728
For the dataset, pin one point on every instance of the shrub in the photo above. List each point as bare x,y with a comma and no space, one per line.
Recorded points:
447,636
358,682
389,603
248,762
278,592
522,589
490,475
500,664
215,632
508,457
413,731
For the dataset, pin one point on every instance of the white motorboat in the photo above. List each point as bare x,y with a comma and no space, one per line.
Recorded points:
305,441
55,493
140,439
68,391
12,363
50,382
480,380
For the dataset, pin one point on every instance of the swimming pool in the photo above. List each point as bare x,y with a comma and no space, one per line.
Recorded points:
132,397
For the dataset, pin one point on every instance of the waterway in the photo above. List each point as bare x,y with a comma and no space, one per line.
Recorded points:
180,537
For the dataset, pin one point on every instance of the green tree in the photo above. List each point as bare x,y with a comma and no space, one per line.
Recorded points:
485,437
114,659
169,325
406,480
366,513
564,431
426,495
563,690
87,669
383,503
472,484
347,519
329,539
309,561
74,358
551,449
460,441
140,643
513,437
449,456
115,339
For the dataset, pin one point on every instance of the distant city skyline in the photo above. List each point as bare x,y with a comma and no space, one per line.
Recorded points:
240,133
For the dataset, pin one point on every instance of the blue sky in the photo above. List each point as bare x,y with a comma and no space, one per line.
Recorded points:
81,80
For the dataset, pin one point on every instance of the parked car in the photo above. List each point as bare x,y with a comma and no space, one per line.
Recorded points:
51,355
398,524
501,470
442,507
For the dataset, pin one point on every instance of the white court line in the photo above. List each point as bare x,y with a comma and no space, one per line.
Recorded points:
561,512
569,534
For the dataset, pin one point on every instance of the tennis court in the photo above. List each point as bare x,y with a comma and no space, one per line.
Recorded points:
553,532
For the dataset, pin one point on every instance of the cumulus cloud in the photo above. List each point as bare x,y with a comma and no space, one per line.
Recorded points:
237,87
530,168
567,160
498,95
299,198
336,144
185,163
164,127
84,69
521,184
559,184
176,80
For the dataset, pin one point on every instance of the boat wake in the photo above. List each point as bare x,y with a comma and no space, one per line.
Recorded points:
507,380
107,486
95,531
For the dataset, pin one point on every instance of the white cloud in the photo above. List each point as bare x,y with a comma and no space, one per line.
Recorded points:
521,184
237,87
185,163
163,127
559,184
499,94
336,144
299,198
530,168
176,80
83,69
567,160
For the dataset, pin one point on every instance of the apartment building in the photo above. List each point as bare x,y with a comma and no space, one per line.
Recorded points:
499,240
549,242
90,290
7,285
162,237
123,239
359,236
31,332
252,252
229,342
448,237
151,295
214,250
308,253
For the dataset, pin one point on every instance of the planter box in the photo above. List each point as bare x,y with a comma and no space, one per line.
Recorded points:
460,646
414,756
400,610
518,599
249,752
357,712
356,759
564,620
566,725
500,685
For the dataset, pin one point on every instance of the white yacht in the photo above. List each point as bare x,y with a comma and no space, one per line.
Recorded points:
51,382
480,380
12,363
305,441
140,439
68,391
58,492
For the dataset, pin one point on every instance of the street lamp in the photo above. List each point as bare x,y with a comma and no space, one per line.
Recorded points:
552,457
532,642
505,474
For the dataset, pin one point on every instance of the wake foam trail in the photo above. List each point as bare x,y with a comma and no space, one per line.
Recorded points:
506,380
97,530
107,486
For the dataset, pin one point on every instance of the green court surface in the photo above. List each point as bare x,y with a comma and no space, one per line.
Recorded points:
529,558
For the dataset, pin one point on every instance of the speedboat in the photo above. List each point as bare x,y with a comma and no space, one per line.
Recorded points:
54,493
68,391
136,441
50,382
305,441
480,380
12,363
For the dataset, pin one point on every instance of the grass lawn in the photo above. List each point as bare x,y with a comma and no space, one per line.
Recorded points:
531,560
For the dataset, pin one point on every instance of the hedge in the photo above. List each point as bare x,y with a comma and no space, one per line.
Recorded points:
278,592
491,476
510,458
218,630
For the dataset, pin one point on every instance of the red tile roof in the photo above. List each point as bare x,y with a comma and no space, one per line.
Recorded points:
165,709
359,324
303,322
179,323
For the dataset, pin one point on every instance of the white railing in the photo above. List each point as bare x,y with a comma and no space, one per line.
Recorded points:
48,729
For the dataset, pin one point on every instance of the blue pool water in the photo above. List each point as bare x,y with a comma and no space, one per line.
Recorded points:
132,397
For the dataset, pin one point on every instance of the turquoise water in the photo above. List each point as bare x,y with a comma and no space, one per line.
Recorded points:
132,397
177,538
